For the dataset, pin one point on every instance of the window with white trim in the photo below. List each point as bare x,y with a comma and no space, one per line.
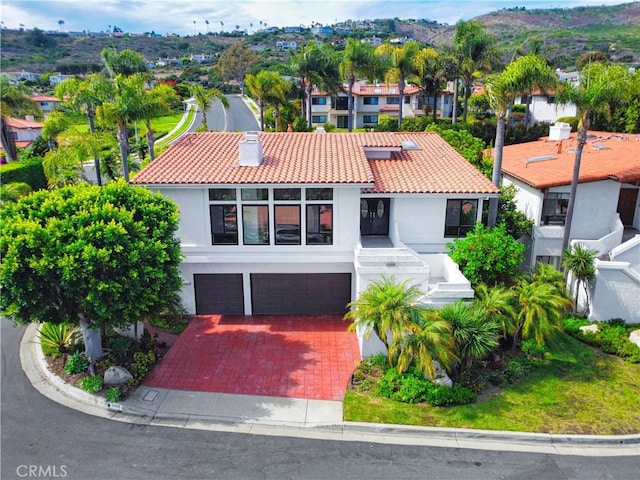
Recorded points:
461,217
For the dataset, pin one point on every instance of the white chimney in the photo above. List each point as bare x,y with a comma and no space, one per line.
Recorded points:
30,118
559,131
251,150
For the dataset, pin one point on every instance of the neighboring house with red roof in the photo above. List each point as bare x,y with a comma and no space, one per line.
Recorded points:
371,101
300,223
607,202
47,103
25,130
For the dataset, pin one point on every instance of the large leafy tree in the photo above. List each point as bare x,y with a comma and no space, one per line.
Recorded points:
359,60
268,88
235,62
475,51
521,76
95,256
316,66
402,66
14,102
579,261
600,85
86,95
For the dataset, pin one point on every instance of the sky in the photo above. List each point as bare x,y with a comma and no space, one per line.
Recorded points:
178,16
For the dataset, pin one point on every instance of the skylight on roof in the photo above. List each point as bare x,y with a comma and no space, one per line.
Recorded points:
541,158
600,147
377,90
409,145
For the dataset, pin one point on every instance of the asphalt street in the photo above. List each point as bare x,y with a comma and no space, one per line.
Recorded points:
237,118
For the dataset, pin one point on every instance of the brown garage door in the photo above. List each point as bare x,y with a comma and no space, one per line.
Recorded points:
219,294
300,293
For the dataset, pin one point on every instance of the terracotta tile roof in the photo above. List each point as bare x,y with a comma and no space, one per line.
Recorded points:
320,158
383,89
44,98
22,124
606,155
435,168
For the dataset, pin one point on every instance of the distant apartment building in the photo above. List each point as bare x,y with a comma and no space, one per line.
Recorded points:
400,40
57,78
371,101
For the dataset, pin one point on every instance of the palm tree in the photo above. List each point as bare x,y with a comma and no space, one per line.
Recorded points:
579,261
431,74
540,310
60,24
402,67
475,50
475,337
521,75
203,97
599,86
125,106
156,102
426,340
86,95
496,304
386,308
546,273
359,60
14,101
316,66
267,87
126,63
207,24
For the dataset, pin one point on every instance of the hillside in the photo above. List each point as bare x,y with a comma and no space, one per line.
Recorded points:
565,33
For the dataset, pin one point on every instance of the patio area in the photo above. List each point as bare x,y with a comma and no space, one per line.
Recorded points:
292,356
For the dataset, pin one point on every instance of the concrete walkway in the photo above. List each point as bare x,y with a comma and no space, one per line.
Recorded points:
295,418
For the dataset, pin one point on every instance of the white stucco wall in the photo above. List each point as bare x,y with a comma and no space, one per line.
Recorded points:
595,206
421,221
615,293
528,199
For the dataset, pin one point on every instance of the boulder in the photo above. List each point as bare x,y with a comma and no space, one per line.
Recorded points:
117,375
634,337
441,377
589,328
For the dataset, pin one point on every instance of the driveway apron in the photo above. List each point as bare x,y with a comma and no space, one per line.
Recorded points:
292,356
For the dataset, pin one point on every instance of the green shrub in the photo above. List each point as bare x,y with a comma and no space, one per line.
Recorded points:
112,394
329,127
120,346
533,349
76,363
91,384
412,387
27,171
572,324
488,256
612,337
58,338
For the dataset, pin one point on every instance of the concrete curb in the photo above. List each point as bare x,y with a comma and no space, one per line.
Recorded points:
297,418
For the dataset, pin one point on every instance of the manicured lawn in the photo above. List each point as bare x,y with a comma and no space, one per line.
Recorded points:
577,390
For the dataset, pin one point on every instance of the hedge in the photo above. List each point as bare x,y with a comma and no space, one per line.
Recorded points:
27,171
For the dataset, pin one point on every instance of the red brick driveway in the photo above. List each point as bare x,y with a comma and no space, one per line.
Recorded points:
294,356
